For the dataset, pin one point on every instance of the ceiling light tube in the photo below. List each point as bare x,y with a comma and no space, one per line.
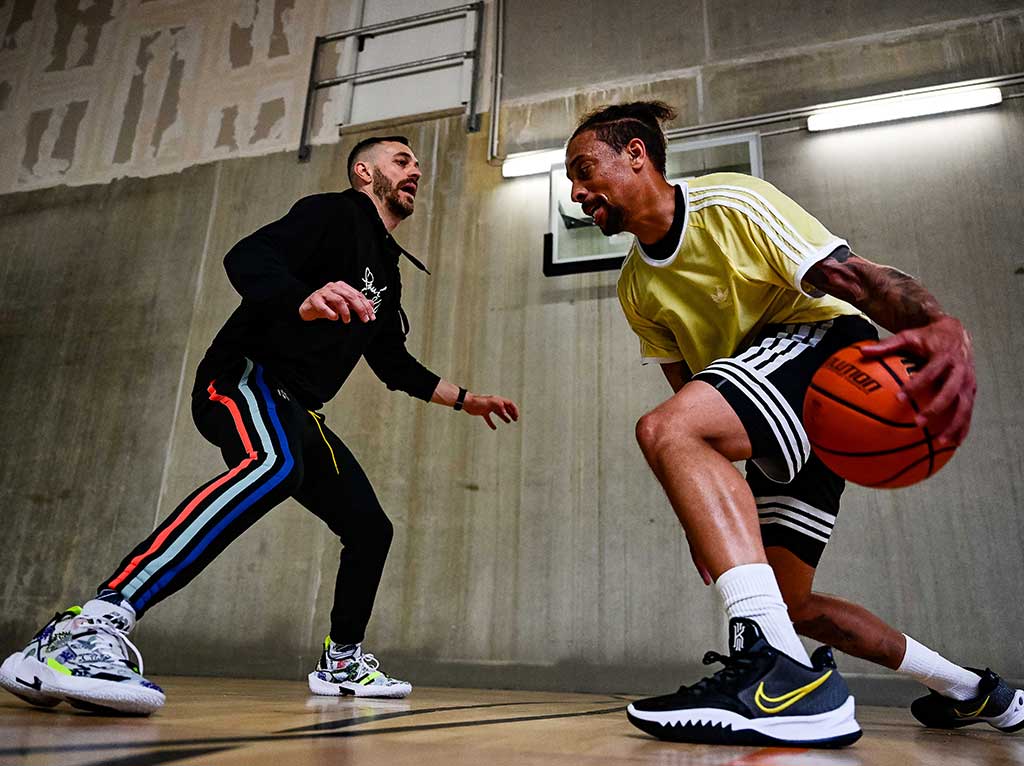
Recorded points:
531,163
889,108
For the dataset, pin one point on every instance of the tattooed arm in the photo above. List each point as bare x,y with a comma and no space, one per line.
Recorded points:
902,305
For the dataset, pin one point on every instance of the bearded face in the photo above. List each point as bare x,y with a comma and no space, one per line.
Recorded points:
399,197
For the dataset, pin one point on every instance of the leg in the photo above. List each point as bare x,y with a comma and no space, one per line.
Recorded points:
734,410
336,490
796,523
258,433
690,442
848,627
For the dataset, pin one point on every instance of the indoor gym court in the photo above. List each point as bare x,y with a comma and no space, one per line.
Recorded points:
275,722
537,581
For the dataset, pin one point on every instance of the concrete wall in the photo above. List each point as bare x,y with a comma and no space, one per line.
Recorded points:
545,554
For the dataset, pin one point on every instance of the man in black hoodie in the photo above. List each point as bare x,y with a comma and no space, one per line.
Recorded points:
320,289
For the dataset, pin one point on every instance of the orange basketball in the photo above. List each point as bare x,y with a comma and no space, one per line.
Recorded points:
859,428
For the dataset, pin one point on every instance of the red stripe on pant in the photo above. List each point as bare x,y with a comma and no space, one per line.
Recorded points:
187,511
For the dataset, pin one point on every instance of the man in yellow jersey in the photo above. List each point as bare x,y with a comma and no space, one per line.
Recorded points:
740,295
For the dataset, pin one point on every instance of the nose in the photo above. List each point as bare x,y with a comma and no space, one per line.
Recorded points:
416,174
579,192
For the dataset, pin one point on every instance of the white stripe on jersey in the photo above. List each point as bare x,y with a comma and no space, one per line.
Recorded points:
761,203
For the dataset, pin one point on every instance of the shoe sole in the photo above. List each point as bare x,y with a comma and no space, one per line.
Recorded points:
834,729
20,686
95,695
346,689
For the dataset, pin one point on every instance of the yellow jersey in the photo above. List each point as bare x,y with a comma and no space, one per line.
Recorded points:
739,265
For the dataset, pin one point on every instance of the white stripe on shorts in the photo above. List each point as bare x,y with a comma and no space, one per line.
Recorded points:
786,427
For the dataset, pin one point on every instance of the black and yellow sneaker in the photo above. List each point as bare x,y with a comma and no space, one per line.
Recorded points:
761,697
997,704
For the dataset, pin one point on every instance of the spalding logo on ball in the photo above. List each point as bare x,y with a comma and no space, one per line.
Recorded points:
859,428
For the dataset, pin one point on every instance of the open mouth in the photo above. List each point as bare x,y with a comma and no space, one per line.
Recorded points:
409,187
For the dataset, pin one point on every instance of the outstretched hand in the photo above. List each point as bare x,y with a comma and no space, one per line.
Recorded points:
486,406
946,384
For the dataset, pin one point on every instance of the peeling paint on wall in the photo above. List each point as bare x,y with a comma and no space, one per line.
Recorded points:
51,138
38,122
152,105
168,115
227,136
67,139
269,122
133,107
240,41
77,36
16,35
261,32
5,94
283,10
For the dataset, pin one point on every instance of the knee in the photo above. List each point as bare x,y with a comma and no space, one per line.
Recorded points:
649,433
375,534
656,430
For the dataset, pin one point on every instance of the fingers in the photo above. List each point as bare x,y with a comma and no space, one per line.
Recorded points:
339,300
321,308
490,423
900,342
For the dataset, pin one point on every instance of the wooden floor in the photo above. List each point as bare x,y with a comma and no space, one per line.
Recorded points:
231,721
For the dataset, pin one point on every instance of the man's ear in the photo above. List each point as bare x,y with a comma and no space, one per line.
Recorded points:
361,170
637,153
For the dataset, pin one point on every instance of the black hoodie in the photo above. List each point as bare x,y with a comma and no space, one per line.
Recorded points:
323,238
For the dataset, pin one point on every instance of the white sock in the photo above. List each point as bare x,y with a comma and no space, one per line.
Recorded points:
751,591
938,673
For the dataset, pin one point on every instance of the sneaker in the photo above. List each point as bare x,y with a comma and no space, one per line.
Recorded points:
997,704
82,657
761,697
356,675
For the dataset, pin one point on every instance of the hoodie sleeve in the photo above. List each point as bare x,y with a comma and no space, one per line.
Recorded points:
263,266
391,361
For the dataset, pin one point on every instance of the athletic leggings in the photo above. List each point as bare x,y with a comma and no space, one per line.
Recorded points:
275,449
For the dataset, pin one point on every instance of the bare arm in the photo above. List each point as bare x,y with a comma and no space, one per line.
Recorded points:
677,374
902,305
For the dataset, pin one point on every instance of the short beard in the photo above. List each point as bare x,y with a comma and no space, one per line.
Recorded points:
388,193
614,221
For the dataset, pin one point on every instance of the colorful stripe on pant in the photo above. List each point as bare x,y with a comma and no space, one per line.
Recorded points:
216,505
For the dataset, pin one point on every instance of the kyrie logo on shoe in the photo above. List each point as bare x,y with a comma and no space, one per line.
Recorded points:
773,705
737,636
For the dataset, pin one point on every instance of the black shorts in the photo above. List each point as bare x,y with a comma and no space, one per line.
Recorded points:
797,495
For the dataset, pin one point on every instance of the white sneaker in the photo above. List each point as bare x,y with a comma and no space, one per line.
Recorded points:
84,657
357,675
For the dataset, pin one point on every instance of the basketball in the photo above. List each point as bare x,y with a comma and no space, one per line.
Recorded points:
859,428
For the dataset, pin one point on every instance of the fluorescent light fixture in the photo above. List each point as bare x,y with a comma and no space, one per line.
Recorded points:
888,108
531,163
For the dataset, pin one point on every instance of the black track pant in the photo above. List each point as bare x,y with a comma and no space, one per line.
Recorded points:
275,449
